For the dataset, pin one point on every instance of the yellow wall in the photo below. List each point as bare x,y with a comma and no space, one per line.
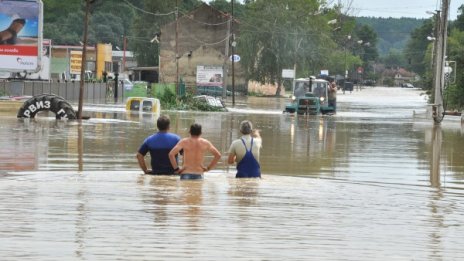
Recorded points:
103,55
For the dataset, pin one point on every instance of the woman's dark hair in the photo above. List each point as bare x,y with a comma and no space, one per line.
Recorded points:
163,123
195,129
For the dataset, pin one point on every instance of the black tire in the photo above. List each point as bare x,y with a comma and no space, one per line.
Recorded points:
47,102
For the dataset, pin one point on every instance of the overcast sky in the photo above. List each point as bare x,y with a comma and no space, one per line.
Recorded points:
401,8
397,8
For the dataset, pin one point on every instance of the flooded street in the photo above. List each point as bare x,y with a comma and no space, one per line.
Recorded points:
377,181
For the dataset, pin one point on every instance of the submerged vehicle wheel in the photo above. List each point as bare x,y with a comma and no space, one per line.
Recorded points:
47,102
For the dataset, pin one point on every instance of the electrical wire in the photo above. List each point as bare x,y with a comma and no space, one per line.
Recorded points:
206,43
204,23
146,12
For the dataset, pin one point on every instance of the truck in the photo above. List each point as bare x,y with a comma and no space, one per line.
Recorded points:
310,96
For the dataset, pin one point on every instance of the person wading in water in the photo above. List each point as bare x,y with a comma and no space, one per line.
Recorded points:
194,148
245,151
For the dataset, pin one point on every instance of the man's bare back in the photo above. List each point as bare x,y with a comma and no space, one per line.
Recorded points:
194,148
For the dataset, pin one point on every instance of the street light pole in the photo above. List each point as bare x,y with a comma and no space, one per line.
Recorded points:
346,65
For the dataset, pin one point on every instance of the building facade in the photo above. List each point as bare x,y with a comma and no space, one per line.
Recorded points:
202,39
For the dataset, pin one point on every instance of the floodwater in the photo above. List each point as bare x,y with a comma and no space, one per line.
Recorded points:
377,181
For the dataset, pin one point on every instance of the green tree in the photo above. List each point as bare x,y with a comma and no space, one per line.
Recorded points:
459,23
225,6
109,21
367,43
394,59
148,24
455,93
276,35
417,46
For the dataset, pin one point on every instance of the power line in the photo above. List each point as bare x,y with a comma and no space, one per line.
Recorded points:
201,22
146,12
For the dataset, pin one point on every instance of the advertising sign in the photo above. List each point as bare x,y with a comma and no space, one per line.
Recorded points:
20,35
288,73
209,75
44,72
75,61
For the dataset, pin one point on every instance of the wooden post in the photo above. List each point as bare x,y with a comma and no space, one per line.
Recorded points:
84,58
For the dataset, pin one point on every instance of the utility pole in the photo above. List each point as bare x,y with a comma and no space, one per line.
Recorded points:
84,58
233,54
124,43
440,49
226,58
177,47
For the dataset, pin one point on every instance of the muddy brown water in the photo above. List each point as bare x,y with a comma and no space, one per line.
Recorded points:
377,181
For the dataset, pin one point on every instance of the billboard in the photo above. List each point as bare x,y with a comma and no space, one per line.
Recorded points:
20,35
209,75
44,72
75,62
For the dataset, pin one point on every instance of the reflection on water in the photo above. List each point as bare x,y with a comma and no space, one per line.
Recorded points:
370,183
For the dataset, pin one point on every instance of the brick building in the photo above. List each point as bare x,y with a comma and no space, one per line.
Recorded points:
202,41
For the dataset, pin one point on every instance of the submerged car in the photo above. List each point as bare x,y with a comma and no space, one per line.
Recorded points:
210,101
212,91
143,105
310,96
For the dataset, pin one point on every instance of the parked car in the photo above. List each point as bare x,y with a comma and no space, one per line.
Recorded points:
369,82
407,85
211,91
128,85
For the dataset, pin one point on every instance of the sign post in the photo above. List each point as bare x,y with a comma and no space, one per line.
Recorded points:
289,74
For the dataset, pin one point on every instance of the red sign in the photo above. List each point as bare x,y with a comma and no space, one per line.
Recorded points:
360,70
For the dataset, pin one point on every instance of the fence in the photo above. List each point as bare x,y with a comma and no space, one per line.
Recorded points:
98,93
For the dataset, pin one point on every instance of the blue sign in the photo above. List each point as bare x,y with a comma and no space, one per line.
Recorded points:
236,58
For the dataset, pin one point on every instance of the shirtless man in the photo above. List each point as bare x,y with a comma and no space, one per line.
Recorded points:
194,149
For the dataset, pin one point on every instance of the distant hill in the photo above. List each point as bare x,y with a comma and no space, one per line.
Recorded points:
393,33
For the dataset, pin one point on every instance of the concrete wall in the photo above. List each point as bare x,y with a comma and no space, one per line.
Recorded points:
93,92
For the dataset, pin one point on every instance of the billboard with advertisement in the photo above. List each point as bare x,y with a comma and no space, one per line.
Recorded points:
44,72
209,75
75,62
20,35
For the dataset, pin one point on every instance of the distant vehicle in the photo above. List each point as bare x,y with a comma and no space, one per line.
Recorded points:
369,82
211,91
77,77
128,85
143,105
310,97
407,85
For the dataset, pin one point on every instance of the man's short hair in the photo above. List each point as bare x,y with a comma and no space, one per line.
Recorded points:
195,129
163,123
246,127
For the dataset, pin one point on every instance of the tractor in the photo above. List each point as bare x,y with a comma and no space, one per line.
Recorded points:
310,96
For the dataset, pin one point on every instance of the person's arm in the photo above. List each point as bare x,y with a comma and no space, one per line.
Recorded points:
172,156
217,157
141,160
232,155
231,158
